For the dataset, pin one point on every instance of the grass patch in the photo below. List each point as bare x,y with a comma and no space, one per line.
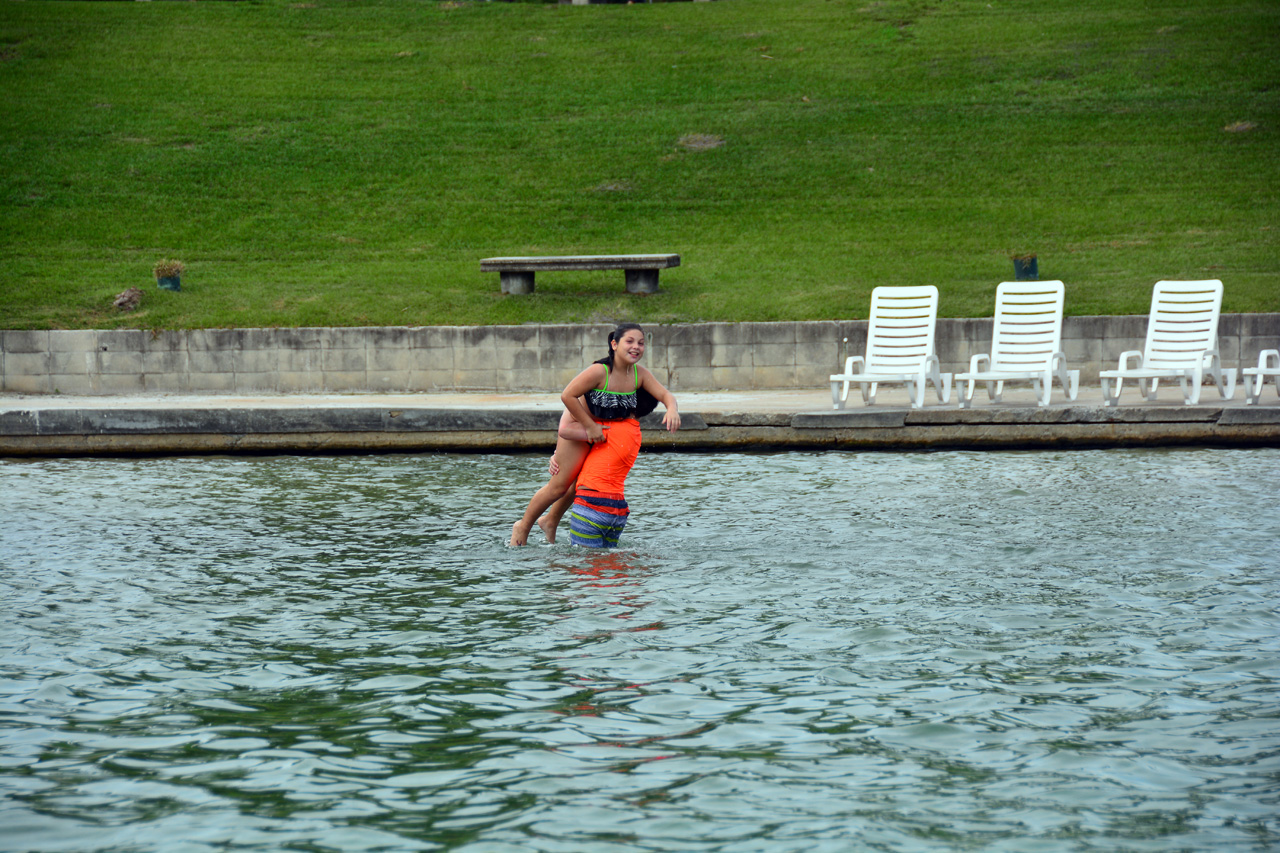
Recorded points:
348,162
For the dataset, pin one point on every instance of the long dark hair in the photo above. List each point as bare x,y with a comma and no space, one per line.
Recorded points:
645,402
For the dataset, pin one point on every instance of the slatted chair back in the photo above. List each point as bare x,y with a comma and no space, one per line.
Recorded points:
1183,324
1028,325
900,332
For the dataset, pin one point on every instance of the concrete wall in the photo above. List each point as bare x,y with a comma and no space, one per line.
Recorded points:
689,357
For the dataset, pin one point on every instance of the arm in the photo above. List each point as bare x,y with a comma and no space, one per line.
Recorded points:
572,396
671,419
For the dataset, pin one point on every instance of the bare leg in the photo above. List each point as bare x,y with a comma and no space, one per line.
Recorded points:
570,455
551,520
571,430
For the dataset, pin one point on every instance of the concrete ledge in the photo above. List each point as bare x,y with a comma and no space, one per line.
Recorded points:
288,421
847,419
89,431
688,422
744,419
1250,415
1064,415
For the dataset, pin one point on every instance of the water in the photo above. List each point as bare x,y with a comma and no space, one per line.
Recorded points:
794,652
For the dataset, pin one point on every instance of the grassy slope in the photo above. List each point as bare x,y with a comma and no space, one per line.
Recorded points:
348,162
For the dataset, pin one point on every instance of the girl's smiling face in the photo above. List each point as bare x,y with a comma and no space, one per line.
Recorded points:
630,347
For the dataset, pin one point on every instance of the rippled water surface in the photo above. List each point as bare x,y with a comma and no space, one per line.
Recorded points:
793,652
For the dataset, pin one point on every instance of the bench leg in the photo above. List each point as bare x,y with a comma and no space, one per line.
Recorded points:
516,282
642,281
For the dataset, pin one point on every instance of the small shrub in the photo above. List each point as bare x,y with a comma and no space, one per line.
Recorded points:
168,269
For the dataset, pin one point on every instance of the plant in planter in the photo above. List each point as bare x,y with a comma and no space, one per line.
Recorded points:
169,274
1025,267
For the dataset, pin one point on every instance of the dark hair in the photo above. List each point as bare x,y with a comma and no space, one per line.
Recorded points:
616,335
645,402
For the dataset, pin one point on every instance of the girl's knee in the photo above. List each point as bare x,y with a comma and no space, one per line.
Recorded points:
558,485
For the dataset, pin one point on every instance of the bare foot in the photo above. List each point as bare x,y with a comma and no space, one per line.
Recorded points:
519,534
548,529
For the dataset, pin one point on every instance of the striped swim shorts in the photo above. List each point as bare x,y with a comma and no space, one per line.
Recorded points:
596,519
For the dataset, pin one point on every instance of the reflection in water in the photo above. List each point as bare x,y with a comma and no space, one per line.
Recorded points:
609,569
621,572
945,651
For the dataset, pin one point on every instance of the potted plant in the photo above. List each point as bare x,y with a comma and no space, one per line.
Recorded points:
1025,267
169,274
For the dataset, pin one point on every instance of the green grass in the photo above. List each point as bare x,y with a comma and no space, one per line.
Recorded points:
348,162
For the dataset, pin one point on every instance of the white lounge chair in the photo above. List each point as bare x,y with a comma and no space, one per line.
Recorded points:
1026,345
1182,344
1256,377
899,348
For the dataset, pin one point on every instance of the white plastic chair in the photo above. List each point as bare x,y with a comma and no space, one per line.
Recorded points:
1026,344
1182,344
1256,377
899,348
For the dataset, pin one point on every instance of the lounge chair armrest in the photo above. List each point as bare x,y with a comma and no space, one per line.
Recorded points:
1130,355
976,361
851,361
1267,356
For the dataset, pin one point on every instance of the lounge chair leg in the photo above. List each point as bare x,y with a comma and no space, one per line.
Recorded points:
1253,388
1229,379
1254,385
1109,399
1191,381
838,399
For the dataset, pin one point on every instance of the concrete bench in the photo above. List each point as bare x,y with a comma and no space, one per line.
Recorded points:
516,274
